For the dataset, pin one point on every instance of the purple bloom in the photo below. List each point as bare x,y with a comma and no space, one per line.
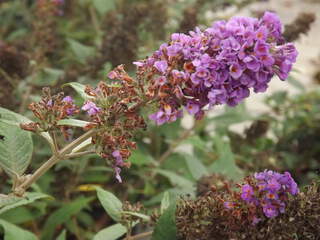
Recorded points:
246,192
193,108
138,64
161,80
90,108
50,103
161,66
235,70
261,48
252,63
202,73
68,99
261,33
219,65
273,187
159,117
117,171
270,211
119,161
228,205
255,220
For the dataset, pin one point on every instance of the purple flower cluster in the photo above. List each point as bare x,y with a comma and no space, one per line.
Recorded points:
90,108
218,65
71,108
270,192
118,163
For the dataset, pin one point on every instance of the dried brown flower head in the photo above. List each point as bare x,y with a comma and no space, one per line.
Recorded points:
301,25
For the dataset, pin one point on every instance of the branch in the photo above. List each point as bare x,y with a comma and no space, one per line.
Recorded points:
141,235
62,154
79,154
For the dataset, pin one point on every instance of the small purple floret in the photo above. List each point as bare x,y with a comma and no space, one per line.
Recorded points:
90,108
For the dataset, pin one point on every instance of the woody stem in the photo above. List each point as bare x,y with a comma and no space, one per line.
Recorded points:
62,154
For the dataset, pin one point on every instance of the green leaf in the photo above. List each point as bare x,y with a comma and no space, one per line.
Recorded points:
176,180
23,214
62,215
8,199
13,232
195,166
73,123
139,215
140,157
296,83
103,6
166,225
30,197
233,116
225,164
48,76
62,235
82,52
83,145
110,203
79,88
111,233
15,119
165,202
16,148
197,142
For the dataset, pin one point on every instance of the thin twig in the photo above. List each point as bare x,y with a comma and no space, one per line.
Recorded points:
79,154
141,235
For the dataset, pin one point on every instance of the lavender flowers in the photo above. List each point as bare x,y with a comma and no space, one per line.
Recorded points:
217,66
265,194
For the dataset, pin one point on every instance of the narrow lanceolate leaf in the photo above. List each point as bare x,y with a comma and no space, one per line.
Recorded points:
225,164
73,123
6,200
195,166
13,232
136,214
79,88
176,180
82,146
62,235
103,6
111,233
29,198
110,203
62,215
165,202
166,225
16,147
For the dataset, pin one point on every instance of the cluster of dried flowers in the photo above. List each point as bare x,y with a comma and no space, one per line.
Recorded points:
114,111
49,111
253,213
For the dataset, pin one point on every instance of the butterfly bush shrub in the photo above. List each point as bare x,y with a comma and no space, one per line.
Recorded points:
222,64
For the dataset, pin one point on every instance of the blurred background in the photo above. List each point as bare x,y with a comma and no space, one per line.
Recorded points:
53,42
